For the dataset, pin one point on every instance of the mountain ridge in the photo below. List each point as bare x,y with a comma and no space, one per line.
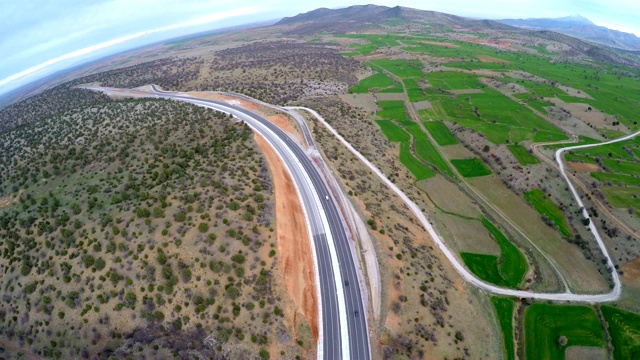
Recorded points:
581,28
359,16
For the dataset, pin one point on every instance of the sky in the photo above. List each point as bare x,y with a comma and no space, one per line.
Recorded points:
40,37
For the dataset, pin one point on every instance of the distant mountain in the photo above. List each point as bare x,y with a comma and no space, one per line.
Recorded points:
357,17
582,28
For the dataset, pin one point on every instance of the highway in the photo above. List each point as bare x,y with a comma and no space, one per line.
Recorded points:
342,322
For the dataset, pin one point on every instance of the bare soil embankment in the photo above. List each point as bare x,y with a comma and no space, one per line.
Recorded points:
294,245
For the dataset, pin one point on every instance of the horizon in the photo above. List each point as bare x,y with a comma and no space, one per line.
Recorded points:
94,31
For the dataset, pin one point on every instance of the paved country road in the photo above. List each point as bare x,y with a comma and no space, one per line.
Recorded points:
342,321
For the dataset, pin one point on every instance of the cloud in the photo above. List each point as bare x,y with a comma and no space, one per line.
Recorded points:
42,67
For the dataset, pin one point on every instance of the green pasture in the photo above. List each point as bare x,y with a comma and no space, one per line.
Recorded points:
440,133
504,309
624,328
546,207
544,324
393,132
522,155
473,167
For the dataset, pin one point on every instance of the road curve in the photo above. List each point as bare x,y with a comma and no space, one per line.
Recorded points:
343,330
614,294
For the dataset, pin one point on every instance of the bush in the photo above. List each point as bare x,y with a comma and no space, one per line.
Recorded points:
181,216
88,261
99,264
238,258
142,212
203,227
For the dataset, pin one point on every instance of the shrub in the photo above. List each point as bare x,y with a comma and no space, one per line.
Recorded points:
238,258
203,227
181,216
88,261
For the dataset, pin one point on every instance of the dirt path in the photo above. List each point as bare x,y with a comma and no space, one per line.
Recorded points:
294,245
584,187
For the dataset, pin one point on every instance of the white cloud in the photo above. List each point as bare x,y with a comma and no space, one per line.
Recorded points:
42,67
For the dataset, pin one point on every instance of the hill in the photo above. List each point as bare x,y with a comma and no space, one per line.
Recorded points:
582,28
354,18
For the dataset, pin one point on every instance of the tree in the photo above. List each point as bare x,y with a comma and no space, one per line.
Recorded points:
562,340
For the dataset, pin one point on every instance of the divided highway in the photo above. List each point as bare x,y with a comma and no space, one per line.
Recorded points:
343,327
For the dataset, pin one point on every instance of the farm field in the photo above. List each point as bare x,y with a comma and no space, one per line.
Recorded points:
417,168
522,155
545,324
624,327
375,81
618,179
546,207
393,132
440,133
507,270
471,167
504,309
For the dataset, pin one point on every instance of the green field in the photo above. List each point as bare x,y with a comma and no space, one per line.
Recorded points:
522,155
624,328
400,68
425,149
453,80
507,270
393,132
417,168
375,81
471,167
617,179
414,92
504,309
440,133
546,207
623,197
499,118
393,110
544,324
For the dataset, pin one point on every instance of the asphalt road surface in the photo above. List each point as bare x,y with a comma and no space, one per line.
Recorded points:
336,345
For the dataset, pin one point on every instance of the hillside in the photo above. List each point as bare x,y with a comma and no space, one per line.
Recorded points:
354,18
582,28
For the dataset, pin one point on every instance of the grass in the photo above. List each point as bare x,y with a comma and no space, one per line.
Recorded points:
504,309
419,170
513,265
414,91
617,179
440,133
393,110
393,132
508,270
623,197
400,68
499,118
453,80
425,149
546,207
483,266
522,155
544,324
471,167
624,328
375,81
